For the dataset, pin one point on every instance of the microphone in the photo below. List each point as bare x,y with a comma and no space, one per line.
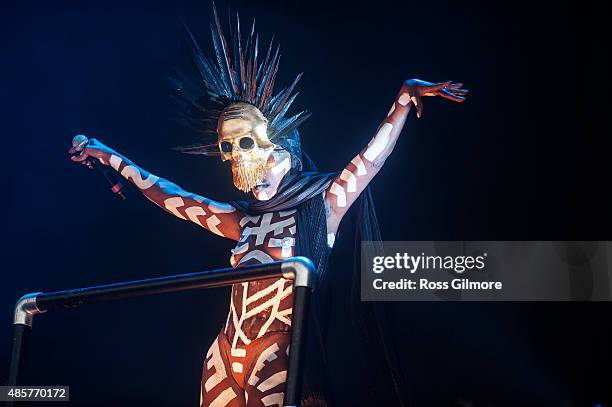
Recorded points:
79,142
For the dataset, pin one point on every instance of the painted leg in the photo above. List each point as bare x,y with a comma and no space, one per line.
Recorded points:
219,389
266,379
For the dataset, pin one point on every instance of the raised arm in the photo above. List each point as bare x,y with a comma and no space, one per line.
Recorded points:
363,168
220,218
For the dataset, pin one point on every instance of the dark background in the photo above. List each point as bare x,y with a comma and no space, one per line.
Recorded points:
524,158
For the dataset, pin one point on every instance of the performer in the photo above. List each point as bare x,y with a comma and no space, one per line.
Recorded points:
295,211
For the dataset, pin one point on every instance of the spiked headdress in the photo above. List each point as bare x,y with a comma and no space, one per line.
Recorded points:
236,75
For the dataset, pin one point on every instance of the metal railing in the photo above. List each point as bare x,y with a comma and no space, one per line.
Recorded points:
299,269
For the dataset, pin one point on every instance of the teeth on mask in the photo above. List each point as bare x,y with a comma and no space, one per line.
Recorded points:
247,174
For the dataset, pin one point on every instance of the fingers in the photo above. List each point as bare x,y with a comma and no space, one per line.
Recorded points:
461,93
416,100
458,93
438,86
445,93
81,157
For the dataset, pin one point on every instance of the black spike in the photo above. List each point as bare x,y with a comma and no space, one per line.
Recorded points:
223,58
237,76
276,109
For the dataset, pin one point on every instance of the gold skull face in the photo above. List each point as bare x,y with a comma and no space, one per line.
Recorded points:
242,130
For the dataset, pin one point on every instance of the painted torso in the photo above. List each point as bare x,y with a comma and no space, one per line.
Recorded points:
264,306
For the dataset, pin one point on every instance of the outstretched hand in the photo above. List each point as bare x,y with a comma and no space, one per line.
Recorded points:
417,88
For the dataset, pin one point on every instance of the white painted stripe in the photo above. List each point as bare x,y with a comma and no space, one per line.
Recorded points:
273,303
392,109
215,362
283,319
247,219
133,173
339,192
361,169
379,143
350,178
284,165
224,398
237,367
404,99
193,212
238,352
272,356
269,355
272,381
273,399
266,226
257,255
265,291
283,316
216,207
246,232
115,162
286,243
212,223
172,204
229,314
243,221
241,248
238,324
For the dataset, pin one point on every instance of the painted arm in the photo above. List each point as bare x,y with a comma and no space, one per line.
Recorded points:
220,218
356,176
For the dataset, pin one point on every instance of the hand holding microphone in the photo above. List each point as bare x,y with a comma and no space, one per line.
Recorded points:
96,155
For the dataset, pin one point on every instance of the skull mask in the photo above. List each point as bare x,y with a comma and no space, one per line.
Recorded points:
243,139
